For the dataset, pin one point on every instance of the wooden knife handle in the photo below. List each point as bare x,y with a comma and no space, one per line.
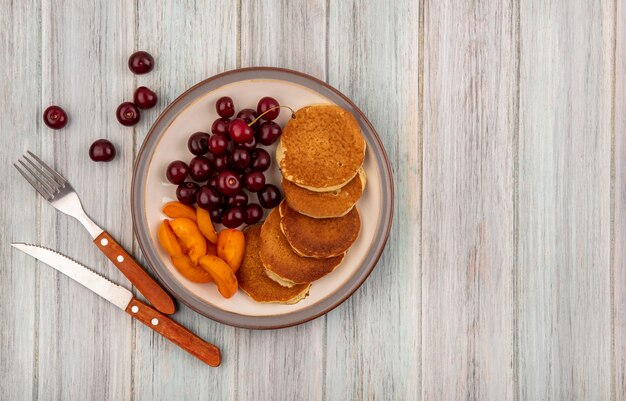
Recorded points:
135,273
207,353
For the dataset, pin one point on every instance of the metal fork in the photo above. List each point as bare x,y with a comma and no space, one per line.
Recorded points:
60,194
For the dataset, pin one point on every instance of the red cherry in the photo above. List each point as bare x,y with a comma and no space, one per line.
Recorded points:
177,172
220,126
254,181
55,117
186,193
225,107
249,115
239,159
208,198
232,217
239,131
268,132
144,98
249,146
253,213
228,183
264,105
240,199
128,114
221,162
218,144
269,196
198,143
102,151
200,168
260,160
140,62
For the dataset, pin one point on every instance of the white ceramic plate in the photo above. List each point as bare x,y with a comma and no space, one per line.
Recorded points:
195,111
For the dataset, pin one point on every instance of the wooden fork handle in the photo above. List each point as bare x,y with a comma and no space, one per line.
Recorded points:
135,273
207,353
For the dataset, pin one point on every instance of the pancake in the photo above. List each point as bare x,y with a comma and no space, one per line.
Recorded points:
253,280
282,264
324,205
319,238
321,149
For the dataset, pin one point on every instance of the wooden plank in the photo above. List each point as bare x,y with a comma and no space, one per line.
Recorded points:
619,207
289,34
566,65
373,346
284,364
470,76
84,341
190,41
20,67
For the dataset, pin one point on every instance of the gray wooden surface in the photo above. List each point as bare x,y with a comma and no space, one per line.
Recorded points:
505,123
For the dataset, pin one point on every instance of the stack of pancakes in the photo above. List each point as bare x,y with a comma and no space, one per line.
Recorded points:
320,155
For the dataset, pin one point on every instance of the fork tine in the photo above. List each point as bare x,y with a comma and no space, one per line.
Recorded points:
58,177
43,176
34,184
47,186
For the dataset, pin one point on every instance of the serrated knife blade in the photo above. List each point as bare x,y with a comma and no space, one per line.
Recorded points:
117,295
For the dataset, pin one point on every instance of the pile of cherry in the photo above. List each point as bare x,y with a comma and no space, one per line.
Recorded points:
228,161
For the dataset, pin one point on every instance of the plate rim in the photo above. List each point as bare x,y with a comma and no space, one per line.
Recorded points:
386,176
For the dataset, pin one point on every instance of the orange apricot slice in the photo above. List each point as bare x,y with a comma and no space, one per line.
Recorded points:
168,240
190,237
231,245
175,210
222,274
206,225
190,271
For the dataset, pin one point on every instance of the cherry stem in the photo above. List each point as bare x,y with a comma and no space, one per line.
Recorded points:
293,114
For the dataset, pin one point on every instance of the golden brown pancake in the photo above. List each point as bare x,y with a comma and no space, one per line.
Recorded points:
253,280
321,149
282,263
324,205
319,238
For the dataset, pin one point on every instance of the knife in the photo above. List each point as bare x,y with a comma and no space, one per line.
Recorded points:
123,299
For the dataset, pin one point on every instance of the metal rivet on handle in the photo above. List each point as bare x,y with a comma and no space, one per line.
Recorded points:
104,242
120,258
135,309
154,321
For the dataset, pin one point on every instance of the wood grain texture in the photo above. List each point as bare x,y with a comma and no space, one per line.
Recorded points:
84,342
467,226
373,347
619,207
191,41
283,33
566,70
505,124
283,364
20,69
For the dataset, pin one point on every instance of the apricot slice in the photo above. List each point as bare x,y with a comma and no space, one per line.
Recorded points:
231,245
206,225
168,240
222,274
190,271
211,249
190,237
175,210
